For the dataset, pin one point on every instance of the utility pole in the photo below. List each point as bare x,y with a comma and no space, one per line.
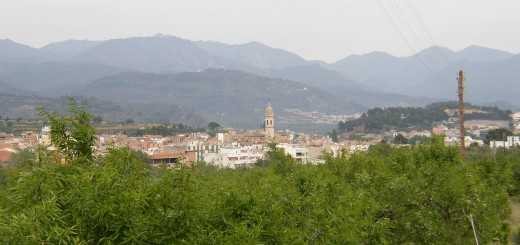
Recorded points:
460,91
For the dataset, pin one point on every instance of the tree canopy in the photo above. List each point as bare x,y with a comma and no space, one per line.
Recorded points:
72,135
405,118
399,118
213,125
499,134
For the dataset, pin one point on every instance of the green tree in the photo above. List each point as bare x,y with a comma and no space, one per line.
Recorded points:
278,160
418,139
425,194
213,125
499,134
72,135
400,139
97,119
22,158
334,135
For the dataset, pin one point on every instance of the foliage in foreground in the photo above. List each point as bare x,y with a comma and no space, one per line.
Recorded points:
419,195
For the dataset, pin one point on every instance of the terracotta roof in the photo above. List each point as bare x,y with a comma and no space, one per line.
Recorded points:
6,145
164,155
5,155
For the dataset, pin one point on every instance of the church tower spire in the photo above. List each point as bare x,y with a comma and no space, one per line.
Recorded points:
269,122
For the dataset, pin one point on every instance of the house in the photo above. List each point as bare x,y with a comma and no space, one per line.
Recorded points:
298,152
168,158
512,141
234,156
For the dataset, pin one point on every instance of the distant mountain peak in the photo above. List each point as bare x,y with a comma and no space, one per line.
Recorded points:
69,48
13,51
10,42
255,54
161,35
375,55
477,47
162,53
378,53
255,43
483,54
435,48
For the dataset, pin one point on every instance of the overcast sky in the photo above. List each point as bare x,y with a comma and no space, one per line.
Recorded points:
327,29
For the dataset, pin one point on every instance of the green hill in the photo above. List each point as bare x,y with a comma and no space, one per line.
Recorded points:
24,106
231,97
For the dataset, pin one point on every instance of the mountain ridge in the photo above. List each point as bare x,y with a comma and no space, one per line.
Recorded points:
376,79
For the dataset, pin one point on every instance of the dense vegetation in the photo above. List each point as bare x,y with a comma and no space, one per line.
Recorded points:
173,129
489,112
421,195
164,130
26,107
406,118
400,118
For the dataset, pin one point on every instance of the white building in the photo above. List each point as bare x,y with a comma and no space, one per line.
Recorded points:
512,141
200,148
516,116
234,156
359,148
300,153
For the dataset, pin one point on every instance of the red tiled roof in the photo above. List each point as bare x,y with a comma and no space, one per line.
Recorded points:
3,146
165,155
5,155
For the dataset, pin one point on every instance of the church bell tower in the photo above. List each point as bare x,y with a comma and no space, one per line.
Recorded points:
269,122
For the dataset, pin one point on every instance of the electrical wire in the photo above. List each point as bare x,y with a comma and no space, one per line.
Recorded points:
431,64
412,39
427,34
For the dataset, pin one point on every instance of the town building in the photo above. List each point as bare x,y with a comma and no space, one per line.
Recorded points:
512,141
299,152
269,122
235,156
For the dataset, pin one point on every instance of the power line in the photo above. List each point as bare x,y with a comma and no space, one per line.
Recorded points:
427,34
428,62
424,28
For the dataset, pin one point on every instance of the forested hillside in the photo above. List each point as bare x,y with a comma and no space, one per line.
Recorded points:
419,195
406,118
231,97
26,106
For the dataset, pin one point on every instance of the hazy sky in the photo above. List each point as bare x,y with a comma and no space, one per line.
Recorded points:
328,29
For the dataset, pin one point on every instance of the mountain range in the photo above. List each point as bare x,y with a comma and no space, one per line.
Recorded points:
232,83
